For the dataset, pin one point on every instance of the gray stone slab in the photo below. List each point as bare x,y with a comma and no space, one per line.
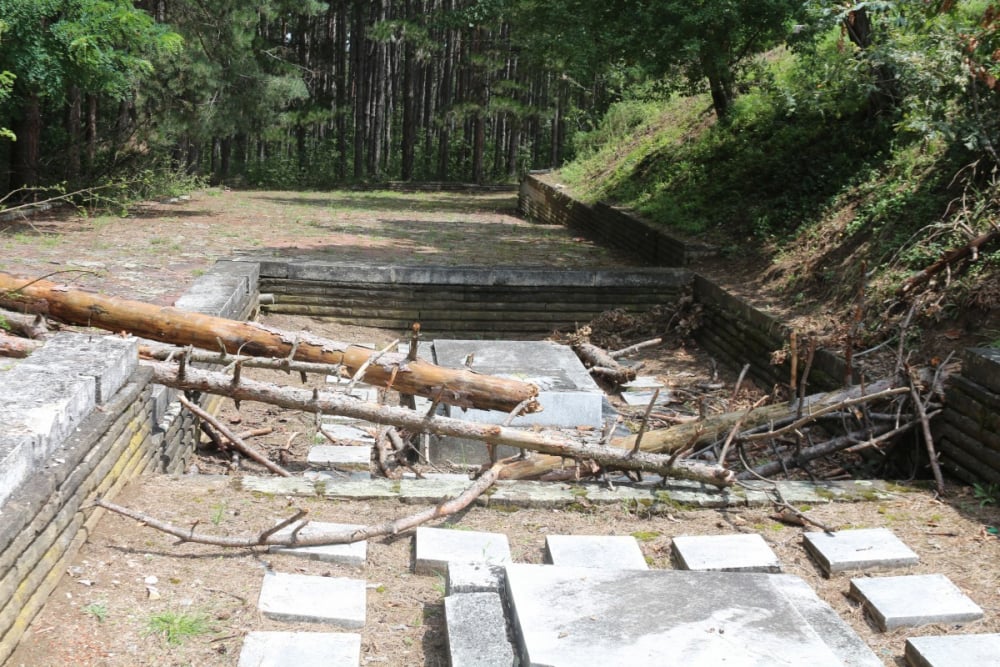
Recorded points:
432,490
726,553
109,360
437,547
340,456
474,577
348,434
642,398
16,455
862,549
49,405
477,631
581,616
953,650
300,597
914,600
613,552
642,383
354,553
300,649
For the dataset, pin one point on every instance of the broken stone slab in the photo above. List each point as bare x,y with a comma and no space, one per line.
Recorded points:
859,549
642,383
477,631
299,597
583,616
300,649
914,600
725,553
437,547
615,552
474,577
345,457
953,650
641,398
354,553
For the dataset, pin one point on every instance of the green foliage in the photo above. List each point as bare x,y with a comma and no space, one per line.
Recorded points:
176,627
986,494
98,610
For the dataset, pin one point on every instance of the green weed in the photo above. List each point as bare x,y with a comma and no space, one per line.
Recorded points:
177,627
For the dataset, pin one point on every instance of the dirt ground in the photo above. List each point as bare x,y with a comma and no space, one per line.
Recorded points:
127,575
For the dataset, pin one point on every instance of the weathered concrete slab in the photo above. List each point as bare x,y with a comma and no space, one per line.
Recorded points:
437,547
354,553
613,552
345,457
953,650
862,549
582,616
914,600
348,434
637,398
432,490
300,649
475,577
726,553
299,597
477,631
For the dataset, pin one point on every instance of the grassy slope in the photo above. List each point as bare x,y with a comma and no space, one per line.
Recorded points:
805,204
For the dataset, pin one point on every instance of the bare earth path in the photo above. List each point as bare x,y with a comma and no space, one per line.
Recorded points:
99,616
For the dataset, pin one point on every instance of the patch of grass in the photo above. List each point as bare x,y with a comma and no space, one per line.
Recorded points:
646,535
218,512
98,610
986,494
177,627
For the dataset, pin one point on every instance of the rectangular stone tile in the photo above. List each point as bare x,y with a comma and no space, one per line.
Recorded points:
345,554
437,547
474,577
863,549
914,600
345,457
614,552
300,649
299,597
477,631
953,651
726,553
348,434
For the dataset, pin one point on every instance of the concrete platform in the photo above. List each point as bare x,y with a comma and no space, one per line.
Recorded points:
915,600
300,649
437,547
474,578
477,631
864,549
354,553
582,616
725,553
953,651
613,552
344,457
299,597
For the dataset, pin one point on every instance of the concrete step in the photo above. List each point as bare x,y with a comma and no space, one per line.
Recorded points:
300,649
336,601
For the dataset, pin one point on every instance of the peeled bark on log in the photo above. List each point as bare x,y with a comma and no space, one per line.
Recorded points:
17,348
595,358
340,404
698,433
460,387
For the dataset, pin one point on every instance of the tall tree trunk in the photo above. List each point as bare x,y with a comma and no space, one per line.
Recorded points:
74,131
341,82
27,149
91,154
409,129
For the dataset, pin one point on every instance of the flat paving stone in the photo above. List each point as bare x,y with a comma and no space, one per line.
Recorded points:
863,549
914,600
477,631
300,649
437,547
474,578
340,456
616,552
582,616
354,553
726,553
300,597
953,650
348,434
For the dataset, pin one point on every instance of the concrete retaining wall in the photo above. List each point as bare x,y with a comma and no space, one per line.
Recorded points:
605,224
465,302
58,452
968,432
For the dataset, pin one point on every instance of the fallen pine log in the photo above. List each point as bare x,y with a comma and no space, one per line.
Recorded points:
603,364
172,375
16,347
460,387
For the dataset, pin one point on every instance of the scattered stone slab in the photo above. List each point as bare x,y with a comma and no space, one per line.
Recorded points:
953,650
584,616
348,434
619,552
299,597
300,649
642,383
642,398
477,631
437,547
725,553
474,578
340,456
862,549
354,553
432,490
914,600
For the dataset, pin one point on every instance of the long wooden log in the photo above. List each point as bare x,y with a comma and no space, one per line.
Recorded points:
460,387
339,404
16,347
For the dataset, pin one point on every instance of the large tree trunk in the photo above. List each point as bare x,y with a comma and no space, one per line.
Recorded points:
459,387
27,148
